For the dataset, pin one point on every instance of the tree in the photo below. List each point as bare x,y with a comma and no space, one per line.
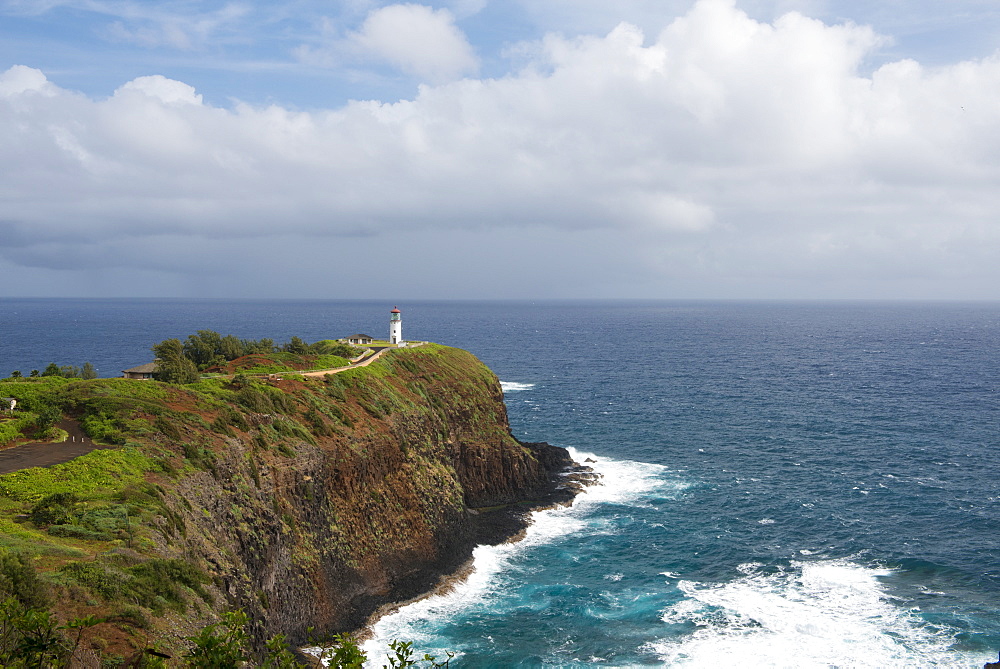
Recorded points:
328,347
16,374
69,372
231,347
171,364
51,370
88,371
46,416
260,346
297,346
204,348
34,373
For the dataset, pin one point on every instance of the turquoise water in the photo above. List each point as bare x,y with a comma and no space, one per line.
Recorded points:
785,485
788,484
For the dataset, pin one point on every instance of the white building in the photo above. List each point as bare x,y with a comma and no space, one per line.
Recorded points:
395,327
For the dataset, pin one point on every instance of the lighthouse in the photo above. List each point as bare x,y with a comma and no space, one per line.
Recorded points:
395,327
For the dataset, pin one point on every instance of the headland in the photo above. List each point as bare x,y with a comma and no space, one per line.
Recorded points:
306,501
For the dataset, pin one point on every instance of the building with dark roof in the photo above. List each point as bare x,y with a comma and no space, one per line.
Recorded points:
141,372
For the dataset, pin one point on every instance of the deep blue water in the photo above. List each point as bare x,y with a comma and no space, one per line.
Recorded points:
786,484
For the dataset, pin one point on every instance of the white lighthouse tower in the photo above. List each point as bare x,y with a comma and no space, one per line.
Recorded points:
395,327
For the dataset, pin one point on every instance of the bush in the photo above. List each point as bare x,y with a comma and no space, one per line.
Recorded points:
31,638
56,509
168,428
330,361
220,645
78,532
333,347
254,399
19,580
11,430
96,577
104,428
158,583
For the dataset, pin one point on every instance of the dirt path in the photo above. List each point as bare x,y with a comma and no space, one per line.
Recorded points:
48,454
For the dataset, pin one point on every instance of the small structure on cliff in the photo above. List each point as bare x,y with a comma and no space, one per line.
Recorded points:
142,372
395,327
360,340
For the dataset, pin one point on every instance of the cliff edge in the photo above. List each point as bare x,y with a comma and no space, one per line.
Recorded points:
306,502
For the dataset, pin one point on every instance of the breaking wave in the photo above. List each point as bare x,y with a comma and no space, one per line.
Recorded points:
515,387
813,614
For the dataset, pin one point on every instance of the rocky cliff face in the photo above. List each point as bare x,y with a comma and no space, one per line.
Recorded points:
311,502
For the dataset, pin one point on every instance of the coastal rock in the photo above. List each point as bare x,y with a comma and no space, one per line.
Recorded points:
409,465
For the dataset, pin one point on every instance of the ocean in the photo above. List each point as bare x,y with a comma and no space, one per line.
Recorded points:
786,484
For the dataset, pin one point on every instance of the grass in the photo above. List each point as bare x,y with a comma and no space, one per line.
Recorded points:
21,539
330,361
267,369
105,470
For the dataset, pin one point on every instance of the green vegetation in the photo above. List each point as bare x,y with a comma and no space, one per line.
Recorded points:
159,583
181,362
104,471
64,371
31,637
209,480
173,364
223,645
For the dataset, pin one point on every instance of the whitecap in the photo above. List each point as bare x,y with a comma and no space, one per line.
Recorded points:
515,387
815,614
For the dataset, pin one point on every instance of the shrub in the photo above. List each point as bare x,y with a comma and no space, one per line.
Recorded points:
157,583
220,645
30,637
96,577
78,532
19,580
254,399
55,509
330,361
168,428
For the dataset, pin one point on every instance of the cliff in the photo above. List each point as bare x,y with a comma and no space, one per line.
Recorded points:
306,502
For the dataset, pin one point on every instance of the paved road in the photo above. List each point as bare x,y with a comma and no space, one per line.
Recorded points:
46,455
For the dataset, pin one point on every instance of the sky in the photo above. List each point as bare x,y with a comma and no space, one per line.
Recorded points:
490,149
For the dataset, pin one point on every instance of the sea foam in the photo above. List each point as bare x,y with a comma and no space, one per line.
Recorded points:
515,387
622,482
814,614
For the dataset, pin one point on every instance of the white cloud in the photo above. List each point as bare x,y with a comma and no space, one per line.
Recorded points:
20,79
720,154
414,39
163,89
418,40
